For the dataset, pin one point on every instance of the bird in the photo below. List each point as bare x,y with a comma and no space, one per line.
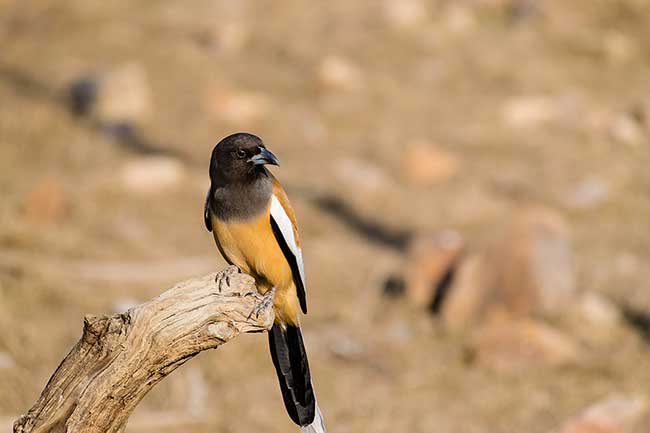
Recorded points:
254,227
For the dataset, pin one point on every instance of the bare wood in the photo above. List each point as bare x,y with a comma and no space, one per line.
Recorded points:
120,358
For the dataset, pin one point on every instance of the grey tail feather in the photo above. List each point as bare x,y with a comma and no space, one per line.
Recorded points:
290,361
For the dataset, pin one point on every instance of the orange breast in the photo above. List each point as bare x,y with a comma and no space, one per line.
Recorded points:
252,247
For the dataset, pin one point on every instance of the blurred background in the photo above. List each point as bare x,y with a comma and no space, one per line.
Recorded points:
470,177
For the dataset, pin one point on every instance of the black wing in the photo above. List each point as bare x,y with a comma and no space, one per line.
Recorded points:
293,263
206,211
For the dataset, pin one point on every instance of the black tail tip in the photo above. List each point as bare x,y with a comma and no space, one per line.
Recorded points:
290,361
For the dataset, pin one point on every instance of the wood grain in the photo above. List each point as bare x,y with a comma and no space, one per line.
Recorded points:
119,358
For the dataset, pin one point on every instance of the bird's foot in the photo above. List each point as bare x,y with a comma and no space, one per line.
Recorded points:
267,301
224,277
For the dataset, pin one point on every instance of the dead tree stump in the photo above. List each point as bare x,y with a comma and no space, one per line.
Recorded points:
120,358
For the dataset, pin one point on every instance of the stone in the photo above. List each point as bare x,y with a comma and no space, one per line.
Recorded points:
424,164
533,264
528,111
47,202
405,14
495,4
618,47
617,413
154,174
469,295
429,260
347,348
6,361
362,173
626,129
240,107
627,264
588,193
338,73
459,18
596,311
229,36
123,95
394,286
510,344
596,320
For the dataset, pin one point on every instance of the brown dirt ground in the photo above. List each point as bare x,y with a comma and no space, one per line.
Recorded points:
444,79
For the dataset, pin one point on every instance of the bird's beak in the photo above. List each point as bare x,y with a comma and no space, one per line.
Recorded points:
264,157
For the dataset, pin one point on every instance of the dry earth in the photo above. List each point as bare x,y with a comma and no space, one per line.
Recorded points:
511,102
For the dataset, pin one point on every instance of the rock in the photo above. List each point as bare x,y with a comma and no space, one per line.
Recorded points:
527,270
627,264
615,414
429,260
394,286
123,95
511,344
521,9
469,294
595,319
338,73
399,332
405,14
626,129
151,174
533,264
528,111
229,36
618,47
596,311
361,173
495,4
236,106
347,348
424,164
459,18
6,361
589,193
47,202
82,95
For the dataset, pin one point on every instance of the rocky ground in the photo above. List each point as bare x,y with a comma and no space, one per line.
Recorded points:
485,159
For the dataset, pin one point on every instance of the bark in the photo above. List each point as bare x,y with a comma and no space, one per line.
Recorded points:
119,358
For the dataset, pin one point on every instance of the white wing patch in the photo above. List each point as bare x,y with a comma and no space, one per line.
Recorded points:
283,221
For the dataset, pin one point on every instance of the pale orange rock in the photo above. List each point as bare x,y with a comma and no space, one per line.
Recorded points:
429,259
424,164
241,107
469,295
508,343
47,202
615,414
405,14
339,73
148,175
124,94
533,264
529,111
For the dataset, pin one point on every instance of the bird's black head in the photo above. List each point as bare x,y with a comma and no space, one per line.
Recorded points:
240,157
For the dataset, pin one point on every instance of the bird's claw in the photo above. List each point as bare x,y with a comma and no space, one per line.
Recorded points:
266,302
220,279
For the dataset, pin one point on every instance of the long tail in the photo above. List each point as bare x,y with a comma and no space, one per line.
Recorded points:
292,367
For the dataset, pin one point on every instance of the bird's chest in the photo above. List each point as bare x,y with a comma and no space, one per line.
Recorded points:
251,246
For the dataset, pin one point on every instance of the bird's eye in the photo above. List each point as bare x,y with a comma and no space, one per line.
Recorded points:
241,153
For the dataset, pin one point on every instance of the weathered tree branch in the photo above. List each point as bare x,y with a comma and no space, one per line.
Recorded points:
120,358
